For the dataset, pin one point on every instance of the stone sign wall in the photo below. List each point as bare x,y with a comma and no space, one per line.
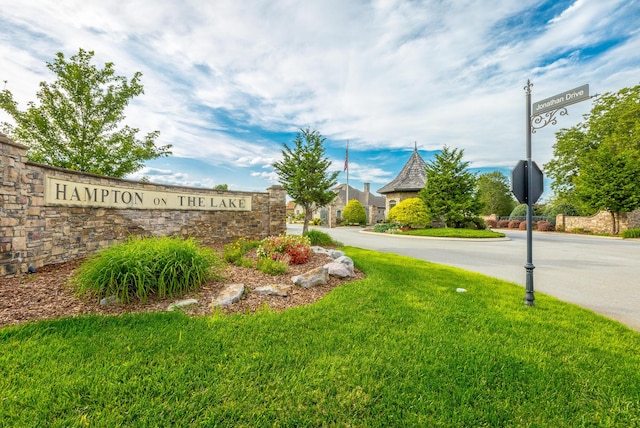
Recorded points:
51,215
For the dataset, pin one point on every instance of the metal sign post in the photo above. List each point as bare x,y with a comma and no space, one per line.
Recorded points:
529,267
544,113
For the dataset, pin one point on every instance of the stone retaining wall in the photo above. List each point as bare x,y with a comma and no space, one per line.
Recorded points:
35,232
600,222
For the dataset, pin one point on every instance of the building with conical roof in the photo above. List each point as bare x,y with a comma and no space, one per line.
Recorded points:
408,183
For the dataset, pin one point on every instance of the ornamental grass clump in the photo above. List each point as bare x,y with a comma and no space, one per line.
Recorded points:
140,267
317,237
274,267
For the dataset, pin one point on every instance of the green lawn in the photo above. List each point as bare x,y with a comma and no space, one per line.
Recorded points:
399,348
449,232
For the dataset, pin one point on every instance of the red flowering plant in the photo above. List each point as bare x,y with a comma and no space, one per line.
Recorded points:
297,247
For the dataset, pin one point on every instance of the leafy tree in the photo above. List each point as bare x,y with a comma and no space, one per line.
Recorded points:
609,136
303,172
557,206
221,187
494,194
609,180
354,212
450,191
410,212
76,124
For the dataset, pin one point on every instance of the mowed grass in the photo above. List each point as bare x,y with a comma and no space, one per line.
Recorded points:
450,232
399,348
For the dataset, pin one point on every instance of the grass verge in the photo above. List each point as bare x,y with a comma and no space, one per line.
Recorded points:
449,232
399,348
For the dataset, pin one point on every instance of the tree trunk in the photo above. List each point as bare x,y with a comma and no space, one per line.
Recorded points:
614,229
308,215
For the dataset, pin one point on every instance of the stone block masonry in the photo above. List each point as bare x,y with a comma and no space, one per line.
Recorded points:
52,215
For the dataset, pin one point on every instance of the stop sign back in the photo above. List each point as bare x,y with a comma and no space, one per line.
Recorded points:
519,182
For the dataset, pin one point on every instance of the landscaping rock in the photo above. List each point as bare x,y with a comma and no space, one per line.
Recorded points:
231,294
109,301
281,290
341,267
181,304
334,254
317,276
339,270
319,250
347,261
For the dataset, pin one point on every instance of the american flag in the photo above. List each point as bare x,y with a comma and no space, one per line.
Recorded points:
346,160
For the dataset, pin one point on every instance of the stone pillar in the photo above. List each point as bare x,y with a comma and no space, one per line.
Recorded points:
13,242
277,210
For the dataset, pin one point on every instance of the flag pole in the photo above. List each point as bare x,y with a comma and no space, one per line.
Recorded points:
346,168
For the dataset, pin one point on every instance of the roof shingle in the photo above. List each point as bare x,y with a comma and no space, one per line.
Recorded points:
412,178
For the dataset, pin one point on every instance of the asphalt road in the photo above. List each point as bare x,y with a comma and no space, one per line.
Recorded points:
601,274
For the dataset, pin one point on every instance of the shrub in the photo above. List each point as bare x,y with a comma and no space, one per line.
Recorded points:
545,226
476,223
299,255
514,224
503,223
317,237
631,233
411,212
523,225
140,267
385,227
297,247
492,223
316,221
518,211
354,212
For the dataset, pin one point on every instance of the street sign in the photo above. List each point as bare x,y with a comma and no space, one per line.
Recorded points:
563,99
519,182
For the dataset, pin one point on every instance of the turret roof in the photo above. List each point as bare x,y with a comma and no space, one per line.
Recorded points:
412,178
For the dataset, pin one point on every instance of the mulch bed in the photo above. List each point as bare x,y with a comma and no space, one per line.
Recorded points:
47,295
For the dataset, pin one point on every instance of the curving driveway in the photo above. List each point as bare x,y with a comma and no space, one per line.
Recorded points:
601,274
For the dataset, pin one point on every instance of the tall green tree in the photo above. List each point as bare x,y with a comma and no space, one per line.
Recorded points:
595,153
609,180
494,194
304,173
450,192
77,122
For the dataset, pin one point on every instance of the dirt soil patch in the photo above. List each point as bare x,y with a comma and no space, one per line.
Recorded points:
46,294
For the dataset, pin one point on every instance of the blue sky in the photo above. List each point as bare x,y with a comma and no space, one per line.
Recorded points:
228,82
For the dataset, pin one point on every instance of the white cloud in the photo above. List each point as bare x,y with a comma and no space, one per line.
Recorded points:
222,79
